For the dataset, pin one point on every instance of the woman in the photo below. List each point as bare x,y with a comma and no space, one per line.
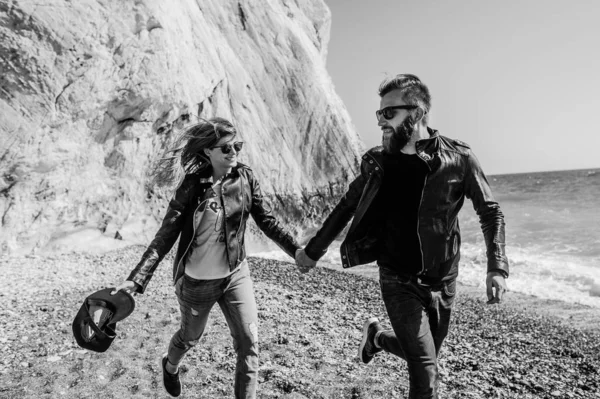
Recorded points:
209,210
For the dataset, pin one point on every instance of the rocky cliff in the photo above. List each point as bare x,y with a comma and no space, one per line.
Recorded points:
93,91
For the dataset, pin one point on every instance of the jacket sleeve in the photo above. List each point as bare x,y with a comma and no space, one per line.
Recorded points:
490,216
339,216
164,239
267,222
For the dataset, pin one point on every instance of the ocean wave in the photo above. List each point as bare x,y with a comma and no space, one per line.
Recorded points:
562,278
565,279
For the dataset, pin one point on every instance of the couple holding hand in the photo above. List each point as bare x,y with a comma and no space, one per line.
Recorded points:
404,208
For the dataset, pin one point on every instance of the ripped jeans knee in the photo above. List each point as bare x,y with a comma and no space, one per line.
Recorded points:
193,323
246,341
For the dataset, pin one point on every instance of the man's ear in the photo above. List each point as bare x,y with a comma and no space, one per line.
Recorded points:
419,114
206,152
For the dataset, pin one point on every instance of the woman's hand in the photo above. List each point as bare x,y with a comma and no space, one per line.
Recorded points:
304,263
128,286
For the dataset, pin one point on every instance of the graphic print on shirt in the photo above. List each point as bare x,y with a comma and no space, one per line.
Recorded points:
207,258
211,210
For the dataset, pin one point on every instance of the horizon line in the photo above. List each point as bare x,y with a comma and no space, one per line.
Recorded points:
547,171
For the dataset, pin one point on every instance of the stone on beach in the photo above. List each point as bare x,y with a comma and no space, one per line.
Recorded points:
309,330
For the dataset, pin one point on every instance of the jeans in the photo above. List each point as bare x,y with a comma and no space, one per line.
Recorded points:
235,296
420,316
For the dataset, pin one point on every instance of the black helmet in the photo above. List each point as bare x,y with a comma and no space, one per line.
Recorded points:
95,324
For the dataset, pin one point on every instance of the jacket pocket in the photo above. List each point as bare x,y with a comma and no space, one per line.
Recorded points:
452,246
178,285
450,287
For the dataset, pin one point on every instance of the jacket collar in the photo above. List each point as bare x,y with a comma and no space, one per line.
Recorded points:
205,177
426,149
432,132
432,135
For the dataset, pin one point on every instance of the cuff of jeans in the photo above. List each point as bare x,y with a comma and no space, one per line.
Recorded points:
504,273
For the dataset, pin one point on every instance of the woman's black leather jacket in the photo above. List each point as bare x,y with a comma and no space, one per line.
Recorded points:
241,197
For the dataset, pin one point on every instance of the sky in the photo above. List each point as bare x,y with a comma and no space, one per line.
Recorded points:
519,81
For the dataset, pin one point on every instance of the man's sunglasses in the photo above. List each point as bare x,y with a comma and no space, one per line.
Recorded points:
388,112
226,148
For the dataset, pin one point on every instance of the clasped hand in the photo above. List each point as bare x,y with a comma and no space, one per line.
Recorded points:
304,263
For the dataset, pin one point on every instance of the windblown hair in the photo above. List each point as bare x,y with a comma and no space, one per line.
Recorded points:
187,153
414,92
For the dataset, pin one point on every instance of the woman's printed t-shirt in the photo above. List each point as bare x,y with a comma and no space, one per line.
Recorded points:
207,259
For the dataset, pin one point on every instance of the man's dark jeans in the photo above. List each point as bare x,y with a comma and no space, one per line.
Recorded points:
420,316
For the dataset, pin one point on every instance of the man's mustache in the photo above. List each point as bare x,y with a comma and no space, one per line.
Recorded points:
400,137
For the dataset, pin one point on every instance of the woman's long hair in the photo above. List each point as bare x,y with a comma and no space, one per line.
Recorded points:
187,153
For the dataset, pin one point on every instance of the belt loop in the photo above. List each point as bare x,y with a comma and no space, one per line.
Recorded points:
225,283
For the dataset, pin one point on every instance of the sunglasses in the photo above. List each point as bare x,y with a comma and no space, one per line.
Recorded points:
388,112
226,148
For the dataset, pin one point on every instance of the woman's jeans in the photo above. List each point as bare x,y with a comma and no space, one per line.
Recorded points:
420,316
235,296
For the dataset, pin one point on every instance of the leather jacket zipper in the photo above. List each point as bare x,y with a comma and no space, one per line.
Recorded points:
241,221
346,260
239,228
419,217
192,240
418,222
225,232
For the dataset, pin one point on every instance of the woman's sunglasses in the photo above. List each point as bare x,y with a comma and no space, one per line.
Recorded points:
226,148
388,112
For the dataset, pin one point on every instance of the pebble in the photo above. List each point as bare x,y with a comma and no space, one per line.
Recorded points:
540,345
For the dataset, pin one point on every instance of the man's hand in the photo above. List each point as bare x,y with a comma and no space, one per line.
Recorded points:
304,263
496,287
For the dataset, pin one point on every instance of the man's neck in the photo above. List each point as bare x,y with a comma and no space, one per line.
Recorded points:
420,134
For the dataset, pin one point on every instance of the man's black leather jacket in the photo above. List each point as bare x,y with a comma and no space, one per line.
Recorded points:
241,197
454,173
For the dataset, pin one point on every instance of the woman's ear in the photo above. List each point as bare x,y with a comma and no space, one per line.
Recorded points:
206,152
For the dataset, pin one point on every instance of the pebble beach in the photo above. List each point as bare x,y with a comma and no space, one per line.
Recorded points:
310,329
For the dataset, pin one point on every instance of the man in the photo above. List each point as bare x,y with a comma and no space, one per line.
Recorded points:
405,205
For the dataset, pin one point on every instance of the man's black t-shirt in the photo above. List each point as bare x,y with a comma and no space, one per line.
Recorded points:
397,204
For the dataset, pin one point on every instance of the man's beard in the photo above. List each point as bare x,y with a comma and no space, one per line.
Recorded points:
401,136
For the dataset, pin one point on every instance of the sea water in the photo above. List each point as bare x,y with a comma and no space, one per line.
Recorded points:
552,236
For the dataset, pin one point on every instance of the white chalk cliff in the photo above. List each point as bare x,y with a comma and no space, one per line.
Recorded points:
93,91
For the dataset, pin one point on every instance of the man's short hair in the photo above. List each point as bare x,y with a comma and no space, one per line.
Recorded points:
414,92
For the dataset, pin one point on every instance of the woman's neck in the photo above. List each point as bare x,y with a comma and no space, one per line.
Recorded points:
218,174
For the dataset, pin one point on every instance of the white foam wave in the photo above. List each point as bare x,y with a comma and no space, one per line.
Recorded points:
562,278
547,277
